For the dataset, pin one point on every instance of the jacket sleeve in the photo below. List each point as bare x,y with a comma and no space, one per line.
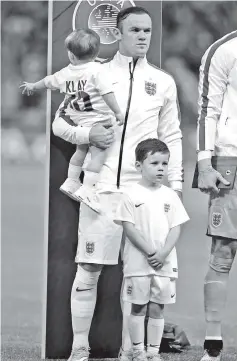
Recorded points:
70,133
213,80
169,132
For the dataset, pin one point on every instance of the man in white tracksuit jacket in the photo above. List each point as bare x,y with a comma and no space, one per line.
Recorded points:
148,98
217,136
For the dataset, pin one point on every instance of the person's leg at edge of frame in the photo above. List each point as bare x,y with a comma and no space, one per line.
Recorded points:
72,183
136,327
126,348
215,291
155,328
86,193
125,352
83,301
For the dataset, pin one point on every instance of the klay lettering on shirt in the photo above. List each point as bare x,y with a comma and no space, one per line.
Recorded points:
73,87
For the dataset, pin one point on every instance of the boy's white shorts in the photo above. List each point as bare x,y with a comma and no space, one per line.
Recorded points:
157,289
99,238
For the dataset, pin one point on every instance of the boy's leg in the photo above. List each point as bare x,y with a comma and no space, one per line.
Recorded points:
72,183
163,291
77,160
86,193
136,326
155,328
97,159
137,291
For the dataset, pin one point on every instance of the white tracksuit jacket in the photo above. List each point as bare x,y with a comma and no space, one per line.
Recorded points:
217,122
150,96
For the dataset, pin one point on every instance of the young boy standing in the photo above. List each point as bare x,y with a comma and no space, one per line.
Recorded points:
151,215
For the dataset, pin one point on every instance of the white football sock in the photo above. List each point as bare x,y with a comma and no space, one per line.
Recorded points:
155,328
83,300
137,332
126,340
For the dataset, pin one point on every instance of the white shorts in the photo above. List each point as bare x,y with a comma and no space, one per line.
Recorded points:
157,289
99,238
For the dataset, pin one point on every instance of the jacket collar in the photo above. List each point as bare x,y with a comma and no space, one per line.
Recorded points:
125,60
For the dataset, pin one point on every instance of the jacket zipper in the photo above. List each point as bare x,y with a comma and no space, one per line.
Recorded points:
125,123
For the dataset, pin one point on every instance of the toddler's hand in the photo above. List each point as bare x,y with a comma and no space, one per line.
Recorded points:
28,88
119,118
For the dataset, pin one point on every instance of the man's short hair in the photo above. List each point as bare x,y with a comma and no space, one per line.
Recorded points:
83,43
152,146
123,14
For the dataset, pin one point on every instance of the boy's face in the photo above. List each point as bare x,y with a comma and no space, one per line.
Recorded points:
154,168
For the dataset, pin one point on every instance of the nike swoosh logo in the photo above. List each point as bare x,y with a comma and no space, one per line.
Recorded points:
138,205
172,296
85,289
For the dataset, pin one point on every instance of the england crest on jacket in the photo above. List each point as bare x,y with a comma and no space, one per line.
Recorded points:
100,16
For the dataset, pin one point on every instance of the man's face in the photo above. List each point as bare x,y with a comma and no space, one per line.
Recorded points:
135,35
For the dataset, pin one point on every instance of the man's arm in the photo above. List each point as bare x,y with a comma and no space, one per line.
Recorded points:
213,80
98,135
169,132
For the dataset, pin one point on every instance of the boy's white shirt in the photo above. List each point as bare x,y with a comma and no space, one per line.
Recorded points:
154,213
89,78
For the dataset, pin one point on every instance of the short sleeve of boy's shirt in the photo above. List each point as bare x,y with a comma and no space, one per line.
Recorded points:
57,80
125,211
177,214
102,81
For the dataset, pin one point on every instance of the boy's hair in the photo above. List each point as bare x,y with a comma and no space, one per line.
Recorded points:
123,14
83,43
152,146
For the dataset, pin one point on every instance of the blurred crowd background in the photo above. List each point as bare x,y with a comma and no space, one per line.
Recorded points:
188,29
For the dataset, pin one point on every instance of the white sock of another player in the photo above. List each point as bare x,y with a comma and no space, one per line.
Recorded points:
91,178
137,332
155,328
83,300
126,340
74,171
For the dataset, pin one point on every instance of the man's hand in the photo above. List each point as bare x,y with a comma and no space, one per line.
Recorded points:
208,178
101,137
28,88
155,260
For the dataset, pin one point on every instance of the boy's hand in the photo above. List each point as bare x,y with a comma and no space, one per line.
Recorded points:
155,261
28,88
119,118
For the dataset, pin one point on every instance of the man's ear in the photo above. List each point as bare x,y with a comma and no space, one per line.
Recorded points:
117,33
138,166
